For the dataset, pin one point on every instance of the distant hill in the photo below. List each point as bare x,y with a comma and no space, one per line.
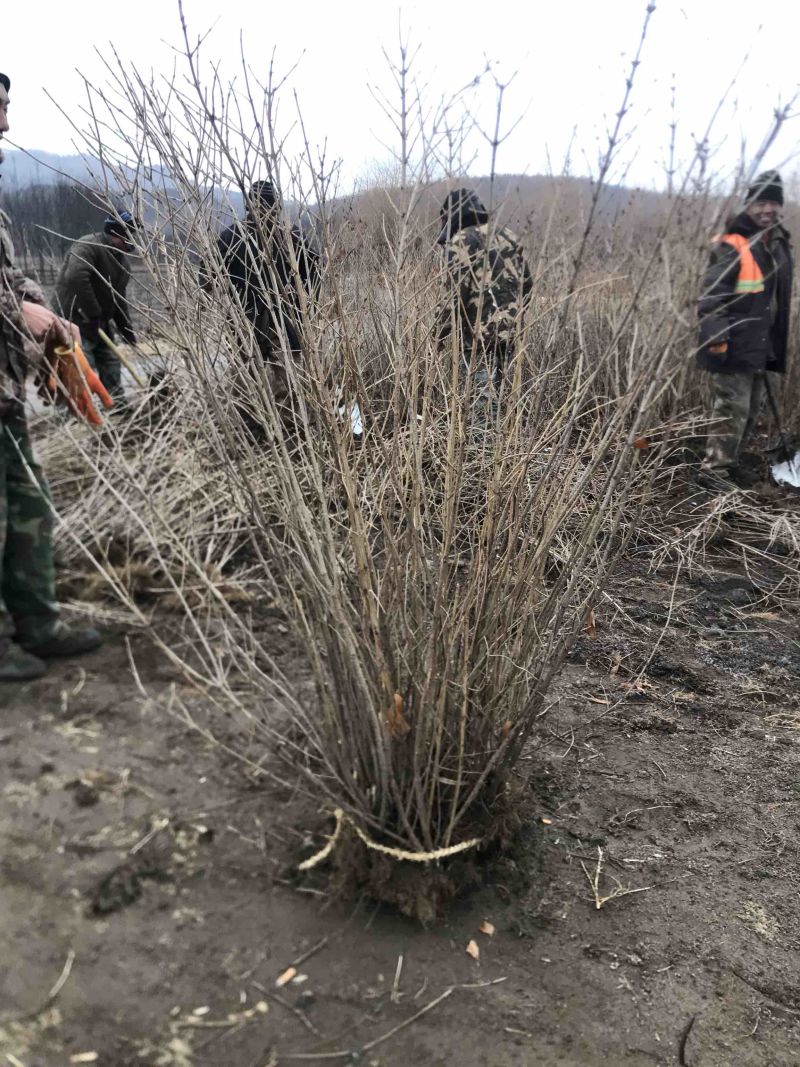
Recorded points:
41,168
528,203
524,202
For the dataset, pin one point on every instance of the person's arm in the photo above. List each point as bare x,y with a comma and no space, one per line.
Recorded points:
122,313
717,293
27,288
308,262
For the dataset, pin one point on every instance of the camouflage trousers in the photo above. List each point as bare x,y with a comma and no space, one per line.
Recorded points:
487,381
108,367
735,405
28,606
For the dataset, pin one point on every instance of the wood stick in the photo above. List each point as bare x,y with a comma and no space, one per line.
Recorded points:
126,363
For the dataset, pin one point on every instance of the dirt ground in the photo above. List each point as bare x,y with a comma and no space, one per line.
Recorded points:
149,902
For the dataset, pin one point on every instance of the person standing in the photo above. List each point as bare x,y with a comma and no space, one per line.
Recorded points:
91,291
489,287
266,263
31,629
744,311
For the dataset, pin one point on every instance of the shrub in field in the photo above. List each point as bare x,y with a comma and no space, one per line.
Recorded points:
438,570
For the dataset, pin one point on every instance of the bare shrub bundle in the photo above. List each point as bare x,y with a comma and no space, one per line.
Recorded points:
436,573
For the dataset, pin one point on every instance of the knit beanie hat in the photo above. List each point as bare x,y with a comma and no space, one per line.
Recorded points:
263,193
767,186
121,224
461,208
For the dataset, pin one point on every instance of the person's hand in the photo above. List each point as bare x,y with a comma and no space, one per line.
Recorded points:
719,349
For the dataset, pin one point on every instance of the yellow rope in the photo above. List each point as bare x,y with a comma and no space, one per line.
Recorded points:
395,853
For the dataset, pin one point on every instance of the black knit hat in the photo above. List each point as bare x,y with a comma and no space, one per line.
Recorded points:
461,208
6,81
767,186
263,192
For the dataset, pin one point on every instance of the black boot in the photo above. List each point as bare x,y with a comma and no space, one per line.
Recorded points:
65,640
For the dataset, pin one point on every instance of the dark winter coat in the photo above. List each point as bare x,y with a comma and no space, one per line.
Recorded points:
754,325
93,283
257,260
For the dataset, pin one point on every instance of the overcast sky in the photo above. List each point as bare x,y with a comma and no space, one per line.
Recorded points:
571,59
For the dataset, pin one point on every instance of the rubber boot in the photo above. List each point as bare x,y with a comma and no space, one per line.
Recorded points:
65,640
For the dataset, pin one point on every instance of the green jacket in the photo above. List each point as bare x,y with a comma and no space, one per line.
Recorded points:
93,282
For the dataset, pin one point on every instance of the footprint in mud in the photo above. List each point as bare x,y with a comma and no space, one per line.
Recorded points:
123,885
158,859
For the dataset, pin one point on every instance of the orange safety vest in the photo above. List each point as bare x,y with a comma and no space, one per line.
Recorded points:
750,279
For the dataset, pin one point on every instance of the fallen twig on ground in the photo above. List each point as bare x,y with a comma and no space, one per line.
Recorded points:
617,892
59,984
354,1053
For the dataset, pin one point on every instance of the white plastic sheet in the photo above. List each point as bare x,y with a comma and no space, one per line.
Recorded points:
787,472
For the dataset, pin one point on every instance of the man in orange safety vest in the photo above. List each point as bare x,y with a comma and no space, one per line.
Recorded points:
744,319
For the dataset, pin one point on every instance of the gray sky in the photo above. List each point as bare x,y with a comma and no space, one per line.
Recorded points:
571,58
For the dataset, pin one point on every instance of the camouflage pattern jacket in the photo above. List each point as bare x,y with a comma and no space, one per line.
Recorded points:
490,281
17,348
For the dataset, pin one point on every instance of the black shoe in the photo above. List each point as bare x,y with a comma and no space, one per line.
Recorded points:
17,665
65,641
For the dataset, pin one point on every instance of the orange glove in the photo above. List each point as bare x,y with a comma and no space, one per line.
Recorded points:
718,349
72,373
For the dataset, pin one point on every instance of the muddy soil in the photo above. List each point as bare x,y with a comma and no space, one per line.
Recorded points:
648,914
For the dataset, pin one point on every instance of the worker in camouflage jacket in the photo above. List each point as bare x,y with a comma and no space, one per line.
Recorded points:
30,628
92,291
489,287
744,312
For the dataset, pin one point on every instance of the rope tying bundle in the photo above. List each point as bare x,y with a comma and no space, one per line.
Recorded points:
395,853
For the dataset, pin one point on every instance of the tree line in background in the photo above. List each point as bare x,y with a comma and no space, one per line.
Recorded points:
47,218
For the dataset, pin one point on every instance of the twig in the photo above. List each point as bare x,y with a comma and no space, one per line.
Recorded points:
158,826
618,891
323,941
136,677
61,981
395,997
682,1042
126,363
351,1053
59,984
660,768
301,1015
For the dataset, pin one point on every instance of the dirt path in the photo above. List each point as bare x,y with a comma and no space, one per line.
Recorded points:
149,883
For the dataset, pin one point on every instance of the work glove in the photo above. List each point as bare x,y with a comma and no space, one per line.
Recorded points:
72,374
127,335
